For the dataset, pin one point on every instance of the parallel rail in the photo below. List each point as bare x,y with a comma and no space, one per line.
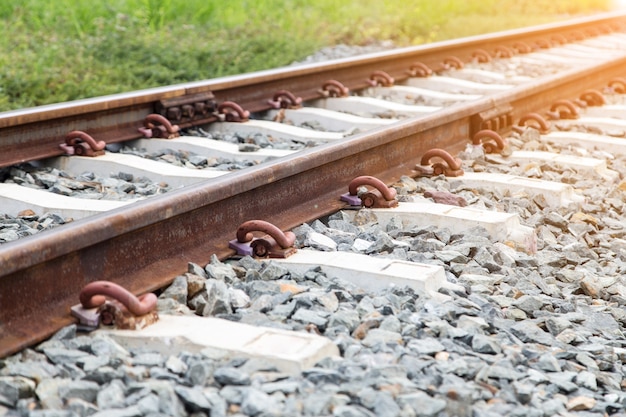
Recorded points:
142,247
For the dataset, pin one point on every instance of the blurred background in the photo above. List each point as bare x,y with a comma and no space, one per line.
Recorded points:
69,49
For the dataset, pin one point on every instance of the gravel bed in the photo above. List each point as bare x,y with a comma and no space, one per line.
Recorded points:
250,143
121,186
417,100
524,335
190,159
27,223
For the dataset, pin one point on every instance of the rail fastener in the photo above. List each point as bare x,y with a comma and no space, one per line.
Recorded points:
491,141
104,302
273,244
157,126
445,164
534,120
80,143
380,197
285,99
563,109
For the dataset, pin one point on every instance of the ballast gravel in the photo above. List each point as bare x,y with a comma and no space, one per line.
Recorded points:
523,335
88,185
251,142
27,223
119,186
190,160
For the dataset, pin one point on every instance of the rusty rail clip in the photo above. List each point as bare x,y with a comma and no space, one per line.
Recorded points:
618,85
448,165
333,88
380,78
157,126
274,244
285,99
122,308
592,97
533,120
80,143
482,56
229,111
495,145
380,197
563,109
419,69
502,51
452,62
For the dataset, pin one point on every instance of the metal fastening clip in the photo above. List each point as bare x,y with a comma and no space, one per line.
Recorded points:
452,62
419,69
495,145
592,98
539,122
230,111
122,309
618,85
544,43
448,165
522,47
333,88
380,197
285,99
502,51
380,78
563,109
482,56
80,143
157,126
273,244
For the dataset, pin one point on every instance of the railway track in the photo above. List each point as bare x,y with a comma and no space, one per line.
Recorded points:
404,112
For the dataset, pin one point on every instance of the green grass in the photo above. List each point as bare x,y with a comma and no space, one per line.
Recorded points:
53,51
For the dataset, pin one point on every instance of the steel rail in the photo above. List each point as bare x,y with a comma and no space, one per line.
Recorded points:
36,133
144,246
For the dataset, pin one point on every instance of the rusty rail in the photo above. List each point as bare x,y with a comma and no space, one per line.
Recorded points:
144,246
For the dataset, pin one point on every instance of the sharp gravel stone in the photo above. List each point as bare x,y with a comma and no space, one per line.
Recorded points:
231,376
422,404
256,402
193,399
111,395
217,299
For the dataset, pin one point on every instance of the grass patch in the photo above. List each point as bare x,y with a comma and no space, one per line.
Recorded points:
54,51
